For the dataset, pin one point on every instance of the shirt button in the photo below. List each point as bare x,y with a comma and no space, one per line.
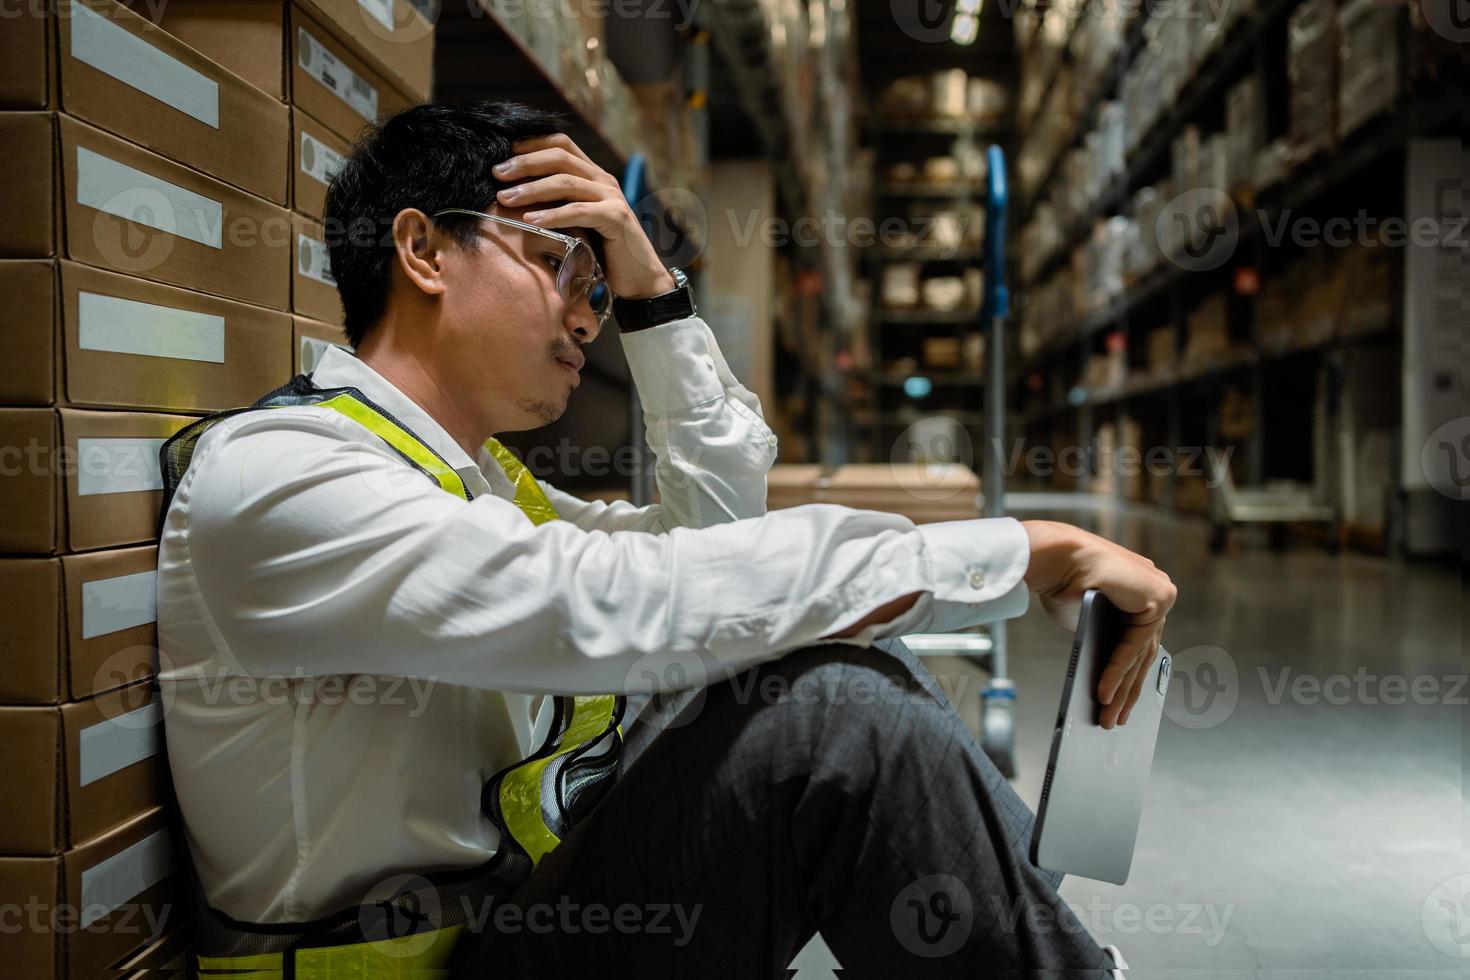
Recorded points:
771,439
709,361
977,577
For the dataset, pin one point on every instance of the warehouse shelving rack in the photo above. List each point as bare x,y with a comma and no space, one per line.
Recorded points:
481,53
1049,403
872,427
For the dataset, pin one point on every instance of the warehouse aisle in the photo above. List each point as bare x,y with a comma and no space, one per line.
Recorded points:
1303,779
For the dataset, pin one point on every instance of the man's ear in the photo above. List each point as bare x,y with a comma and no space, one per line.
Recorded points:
420,248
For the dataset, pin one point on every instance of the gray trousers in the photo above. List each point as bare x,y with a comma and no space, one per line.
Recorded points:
835,789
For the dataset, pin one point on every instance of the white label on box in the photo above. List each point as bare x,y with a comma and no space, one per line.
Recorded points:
336,77
312,261
118,466
318,160
99,42
111,746
312,349
112,604
125,326
379,10
131,194
124,876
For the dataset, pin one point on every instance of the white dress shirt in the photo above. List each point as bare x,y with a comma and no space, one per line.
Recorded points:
347,652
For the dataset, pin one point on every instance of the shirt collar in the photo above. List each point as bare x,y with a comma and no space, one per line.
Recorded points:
341,369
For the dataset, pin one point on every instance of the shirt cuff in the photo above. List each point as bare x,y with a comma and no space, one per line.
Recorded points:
674,365
977,572
978,569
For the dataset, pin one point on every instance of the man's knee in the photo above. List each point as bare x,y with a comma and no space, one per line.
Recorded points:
843,698
838,674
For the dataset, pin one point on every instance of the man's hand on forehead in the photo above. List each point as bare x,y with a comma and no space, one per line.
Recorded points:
562,189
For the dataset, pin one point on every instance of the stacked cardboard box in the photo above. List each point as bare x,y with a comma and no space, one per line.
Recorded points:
1245,130
922,492
1369,61
1312,68
1161,351
1207,338
154,198
338,66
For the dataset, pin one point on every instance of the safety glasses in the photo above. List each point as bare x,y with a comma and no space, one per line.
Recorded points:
578,272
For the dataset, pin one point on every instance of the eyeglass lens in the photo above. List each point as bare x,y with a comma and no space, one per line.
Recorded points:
577,277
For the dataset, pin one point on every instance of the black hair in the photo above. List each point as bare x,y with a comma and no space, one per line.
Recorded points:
430,156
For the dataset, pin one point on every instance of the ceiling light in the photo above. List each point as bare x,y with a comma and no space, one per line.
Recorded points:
965,29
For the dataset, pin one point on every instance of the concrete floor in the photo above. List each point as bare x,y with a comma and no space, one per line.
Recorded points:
1311,829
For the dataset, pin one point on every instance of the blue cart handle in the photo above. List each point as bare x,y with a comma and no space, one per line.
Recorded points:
997,296
635,179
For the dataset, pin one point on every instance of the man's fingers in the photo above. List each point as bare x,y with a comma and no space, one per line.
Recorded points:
579,214
1136,691
557,187
1113,709
1131,649
559,140
552,160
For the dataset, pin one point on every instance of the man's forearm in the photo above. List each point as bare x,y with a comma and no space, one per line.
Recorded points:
713,447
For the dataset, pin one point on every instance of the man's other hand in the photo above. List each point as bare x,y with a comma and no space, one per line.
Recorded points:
1066,561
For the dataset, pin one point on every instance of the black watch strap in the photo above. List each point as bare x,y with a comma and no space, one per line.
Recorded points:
652,311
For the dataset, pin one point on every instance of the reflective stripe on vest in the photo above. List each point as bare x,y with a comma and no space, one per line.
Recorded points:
581,724
420,956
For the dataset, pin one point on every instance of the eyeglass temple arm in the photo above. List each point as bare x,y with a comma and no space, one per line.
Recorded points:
564,239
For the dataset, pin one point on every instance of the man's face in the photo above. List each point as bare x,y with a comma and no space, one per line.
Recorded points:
507,332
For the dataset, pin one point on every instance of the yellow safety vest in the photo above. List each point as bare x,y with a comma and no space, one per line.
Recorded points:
533,802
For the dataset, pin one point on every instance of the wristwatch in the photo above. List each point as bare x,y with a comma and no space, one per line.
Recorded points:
640,314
